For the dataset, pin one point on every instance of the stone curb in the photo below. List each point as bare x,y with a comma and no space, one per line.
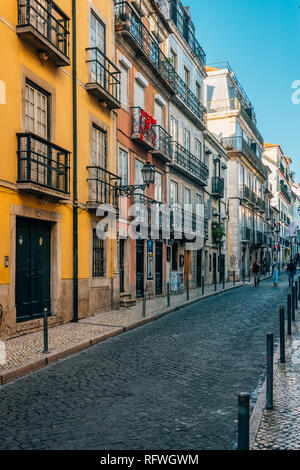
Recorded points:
51,358
260,404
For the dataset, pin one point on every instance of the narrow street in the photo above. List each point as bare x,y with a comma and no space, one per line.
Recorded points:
171,384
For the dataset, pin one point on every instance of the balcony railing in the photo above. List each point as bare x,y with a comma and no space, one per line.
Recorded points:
259,237
260,204
217,186
189,99
186,28
238,144
104,78
234,104
162,143
187,161
102,187
247,234
46,27
42,165
129,21
143,127
245,193
284,191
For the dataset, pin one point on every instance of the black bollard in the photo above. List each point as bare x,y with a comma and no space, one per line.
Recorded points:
243,421
224,279
144,305
249,276
298,287
289,314
234,278
202,285
293,303
187,290
45,331
269,387
296,294
282,339
216,282
243,277
168,294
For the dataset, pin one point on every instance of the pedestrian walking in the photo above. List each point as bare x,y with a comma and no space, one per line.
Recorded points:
256,272
291,269
275,268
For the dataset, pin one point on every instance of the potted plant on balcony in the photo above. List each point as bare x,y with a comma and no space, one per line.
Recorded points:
218,232
120,20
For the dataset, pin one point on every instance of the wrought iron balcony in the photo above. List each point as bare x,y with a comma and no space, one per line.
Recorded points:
260,204
246,193
217,186
188,163
162,143
129,23
285,192
196,109
45,26
104,78
43,167
186,28
247,234
102,187
143,128
259,237
234,104
238,144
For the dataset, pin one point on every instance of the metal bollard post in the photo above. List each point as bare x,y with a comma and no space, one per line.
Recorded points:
289,314
243,421
282,339
293,303
168,294
45,331
215,282
296,294
187,290
144,305
224,279
298,287
249,276
234,278
269,387
202,284
243,277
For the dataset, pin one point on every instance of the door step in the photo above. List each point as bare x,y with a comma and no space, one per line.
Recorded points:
126,301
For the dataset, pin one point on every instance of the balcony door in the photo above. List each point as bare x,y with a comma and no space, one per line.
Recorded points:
37,121
98,65
99,178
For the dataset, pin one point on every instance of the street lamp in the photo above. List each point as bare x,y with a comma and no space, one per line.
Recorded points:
148,175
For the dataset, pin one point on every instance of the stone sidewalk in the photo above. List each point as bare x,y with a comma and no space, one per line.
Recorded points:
280,428
24,354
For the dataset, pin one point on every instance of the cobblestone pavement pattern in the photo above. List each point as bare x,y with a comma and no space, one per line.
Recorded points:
280,428
171,384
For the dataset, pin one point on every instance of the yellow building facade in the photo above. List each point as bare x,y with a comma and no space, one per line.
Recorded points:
56,112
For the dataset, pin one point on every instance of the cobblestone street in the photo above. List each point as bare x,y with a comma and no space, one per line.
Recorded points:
170,384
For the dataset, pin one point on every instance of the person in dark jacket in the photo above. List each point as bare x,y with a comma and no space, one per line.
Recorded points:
256,272
291,269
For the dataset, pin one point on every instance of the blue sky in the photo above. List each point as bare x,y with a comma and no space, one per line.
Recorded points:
261,41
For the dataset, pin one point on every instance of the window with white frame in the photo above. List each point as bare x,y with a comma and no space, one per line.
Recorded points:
124,84
99,147
36,111
198,149
123,167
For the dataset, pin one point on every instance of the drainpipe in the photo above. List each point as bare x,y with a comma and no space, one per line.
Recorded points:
75,196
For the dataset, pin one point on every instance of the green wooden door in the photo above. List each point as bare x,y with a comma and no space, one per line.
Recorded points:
32,268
